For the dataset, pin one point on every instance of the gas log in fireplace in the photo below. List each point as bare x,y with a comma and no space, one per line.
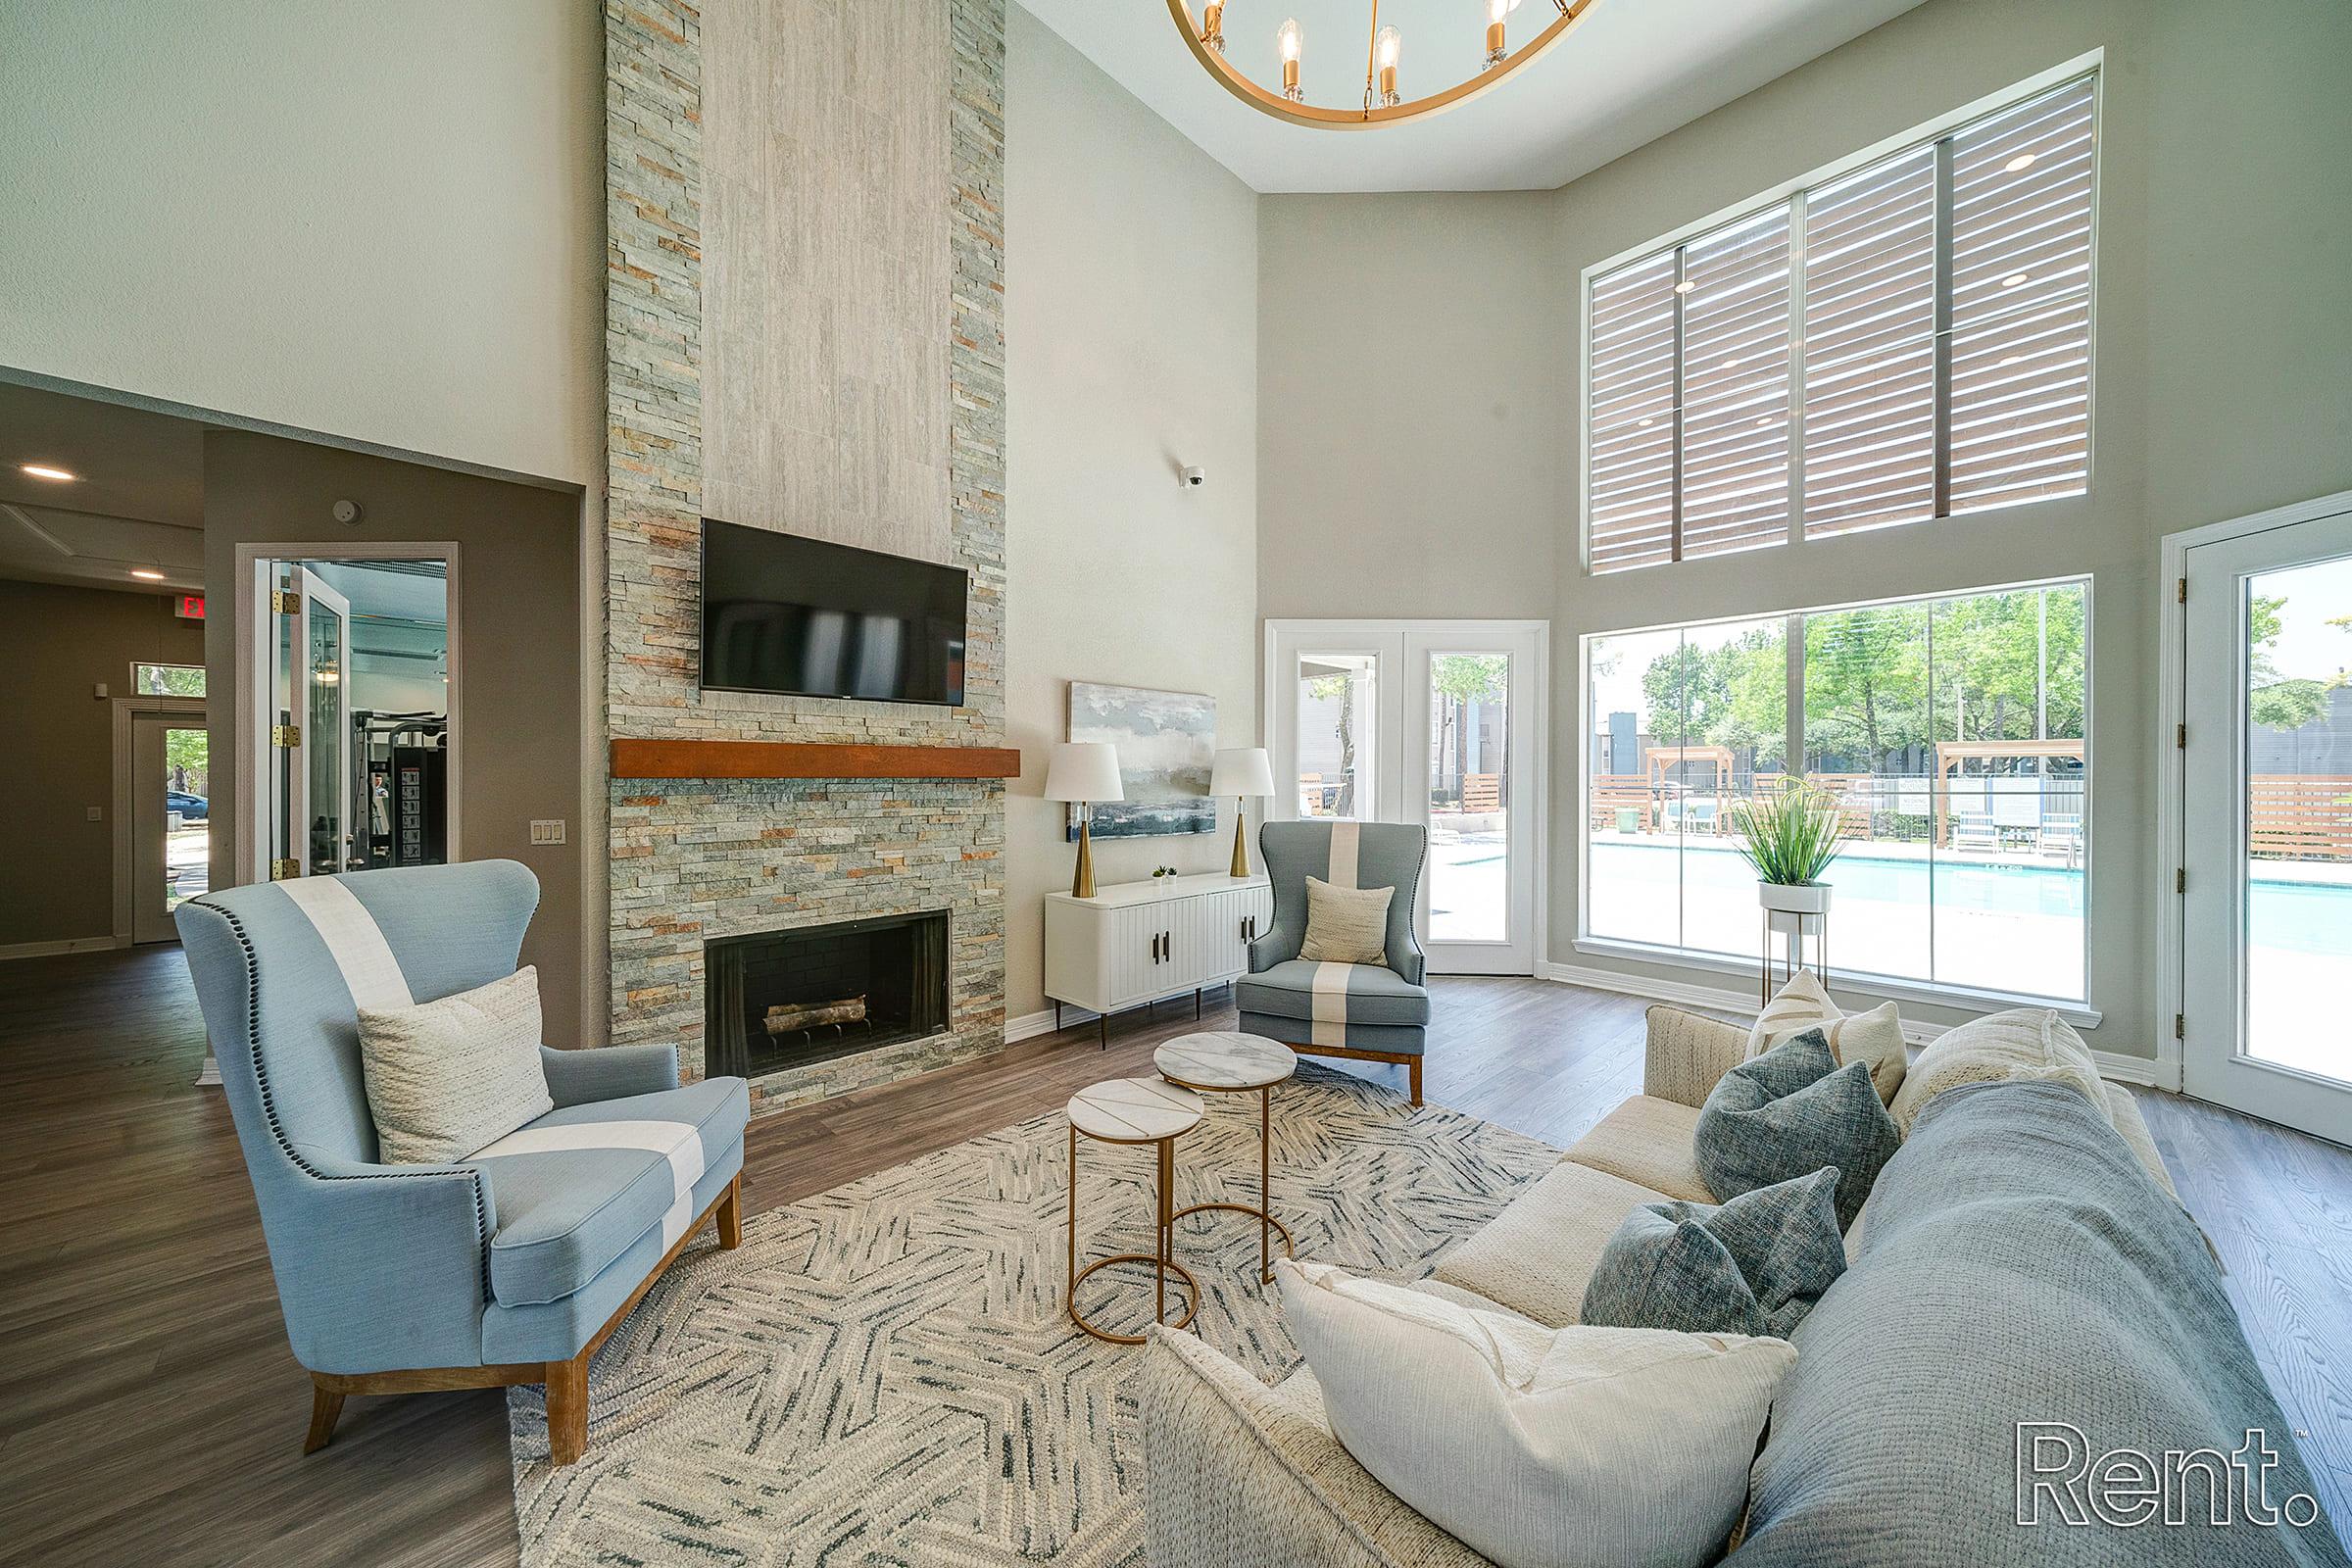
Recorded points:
775,999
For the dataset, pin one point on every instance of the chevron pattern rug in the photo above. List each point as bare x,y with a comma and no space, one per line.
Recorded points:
884,1374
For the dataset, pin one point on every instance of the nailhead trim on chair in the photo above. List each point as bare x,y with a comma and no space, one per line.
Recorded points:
261,1076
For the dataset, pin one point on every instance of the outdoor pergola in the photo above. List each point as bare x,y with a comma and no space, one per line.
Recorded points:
1950,754
1656,760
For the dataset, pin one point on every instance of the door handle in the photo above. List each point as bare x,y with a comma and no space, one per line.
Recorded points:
1155,947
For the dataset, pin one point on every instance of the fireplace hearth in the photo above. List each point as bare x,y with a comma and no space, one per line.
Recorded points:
777,999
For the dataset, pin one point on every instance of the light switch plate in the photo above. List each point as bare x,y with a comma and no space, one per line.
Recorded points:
545,831
93,813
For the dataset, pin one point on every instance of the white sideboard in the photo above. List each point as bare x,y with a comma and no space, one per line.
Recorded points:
1135,943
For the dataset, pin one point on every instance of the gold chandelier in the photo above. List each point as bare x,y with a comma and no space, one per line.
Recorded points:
1384,103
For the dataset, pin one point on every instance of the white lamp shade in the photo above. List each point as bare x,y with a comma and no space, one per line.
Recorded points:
1084,771
1242,771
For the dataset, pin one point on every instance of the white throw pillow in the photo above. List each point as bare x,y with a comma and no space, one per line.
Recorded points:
1539,1447
1875,1037
1345,925
2031,1045
446,1077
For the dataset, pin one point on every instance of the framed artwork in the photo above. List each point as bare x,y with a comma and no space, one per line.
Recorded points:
1166,741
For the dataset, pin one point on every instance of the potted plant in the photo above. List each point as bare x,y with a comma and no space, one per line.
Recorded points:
1790,837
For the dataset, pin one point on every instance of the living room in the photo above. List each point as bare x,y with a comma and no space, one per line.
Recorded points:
932,782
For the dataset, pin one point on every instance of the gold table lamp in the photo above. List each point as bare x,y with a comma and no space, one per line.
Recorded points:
1084,773
1242,772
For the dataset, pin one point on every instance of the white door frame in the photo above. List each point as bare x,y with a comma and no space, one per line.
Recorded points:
256,638
2173,758
1408,714
126,708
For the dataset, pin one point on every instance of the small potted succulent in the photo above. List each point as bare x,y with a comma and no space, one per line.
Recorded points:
1790,837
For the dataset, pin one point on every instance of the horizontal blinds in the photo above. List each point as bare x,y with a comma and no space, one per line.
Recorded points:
1870,347
1734,490
1712,475
2022,199
1630,423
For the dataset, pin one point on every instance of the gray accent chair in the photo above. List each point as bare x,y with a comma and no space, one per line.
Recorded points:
1383,1013
481,1272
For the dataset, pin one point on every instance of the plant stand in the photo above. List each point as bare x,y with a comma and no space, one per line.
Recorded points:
1792,914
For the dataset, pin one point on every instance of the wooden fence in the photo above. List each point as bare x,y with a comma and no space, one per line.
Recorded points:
2300,816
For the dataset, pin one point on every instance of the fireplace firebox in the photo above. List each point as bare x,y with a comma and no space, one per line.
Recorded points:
775,999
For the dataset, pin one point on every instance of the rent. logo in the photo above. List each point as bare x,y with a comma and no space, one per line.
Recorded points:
2060,1480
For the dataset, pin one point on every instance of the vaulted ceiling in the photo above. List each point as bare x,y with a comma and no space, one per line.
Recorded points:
1629,73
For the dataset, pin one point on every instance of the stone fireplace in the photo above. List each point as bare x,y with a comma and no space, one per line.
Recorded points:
778,999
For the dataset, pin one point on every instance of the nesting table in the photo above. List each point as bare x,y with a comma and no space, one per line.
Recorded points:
1157,1112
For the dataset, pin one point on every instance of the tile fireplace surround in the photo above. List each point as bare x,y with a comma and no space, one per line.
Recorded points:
703,860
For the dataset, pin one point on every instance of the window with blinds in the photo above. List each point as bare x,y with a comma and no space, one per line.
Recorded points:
1906,341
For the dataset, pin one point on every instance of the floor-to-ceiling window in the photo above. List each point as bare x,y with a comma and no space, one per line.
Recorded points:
1952,733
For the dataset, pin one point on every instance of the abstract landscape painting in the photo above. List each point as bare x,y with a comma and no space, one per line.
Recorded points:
1166,742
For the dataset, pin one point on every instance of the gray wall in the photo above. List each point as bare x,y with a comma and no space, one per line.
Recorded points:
1131,345
2223,381
518,669
58,645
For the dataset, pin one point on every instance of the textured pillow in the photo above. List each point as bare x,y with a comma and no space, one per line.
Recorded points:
1755,1266
1538,1447
1875,1037
446,1077
1790,1112
2031,1045
1345,925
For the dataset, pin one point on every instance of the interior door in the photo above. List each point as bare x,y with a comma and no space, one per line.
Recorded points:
169,819
306,750
1427,723
2267,825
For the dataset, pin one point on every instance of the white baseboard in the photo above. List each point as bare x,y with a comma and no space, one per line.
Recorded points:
43,950
2112,1067
1030,1025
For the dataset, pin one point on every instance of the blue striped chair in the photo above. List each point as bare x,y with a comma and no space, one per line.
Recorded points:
509,1266
1366,1011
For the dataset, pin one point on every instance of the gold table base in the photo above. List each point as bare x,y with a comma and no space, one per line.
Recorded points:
1163,1262
1266,1222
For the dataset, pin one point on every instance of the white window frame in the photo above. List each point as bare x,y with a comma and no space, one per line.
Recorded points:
1901,988
1792,191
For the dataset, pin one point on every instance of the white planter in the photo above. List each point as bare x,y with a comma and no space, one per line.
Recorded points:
1811,897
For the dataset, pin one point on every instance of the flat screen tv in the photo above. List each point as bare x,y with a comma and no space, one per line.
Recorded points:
800,616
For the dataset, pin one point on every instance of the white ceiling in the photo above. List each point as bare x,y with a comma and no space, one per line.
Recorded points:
137,502
1629,73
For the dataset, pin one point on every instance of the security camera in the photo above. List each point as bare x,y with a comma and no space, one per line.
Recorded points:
1195,478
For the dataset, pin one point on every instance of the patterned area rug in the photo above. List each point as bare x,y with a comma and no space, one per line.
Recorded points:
884,1374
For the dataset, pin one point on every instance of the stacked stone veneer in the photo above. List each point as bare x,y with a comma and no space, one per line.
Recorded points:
699,859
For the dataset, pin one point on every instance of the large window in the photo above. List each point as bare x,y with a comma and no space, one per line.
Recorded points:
1904,341
1954,734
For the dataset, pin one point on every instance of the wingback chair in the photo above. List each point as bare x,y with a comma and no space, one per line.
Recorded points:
511,1265
1367,1011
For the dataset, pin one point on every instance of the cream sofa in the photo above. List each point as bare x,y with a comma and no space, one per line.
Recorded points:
1239,1474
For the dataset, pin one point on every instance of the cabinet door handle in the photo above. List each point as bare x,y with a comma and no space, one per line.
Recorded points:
1155,947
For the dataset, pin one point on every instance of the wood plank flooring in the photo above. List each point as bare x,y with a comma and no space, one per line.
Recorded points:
151,1413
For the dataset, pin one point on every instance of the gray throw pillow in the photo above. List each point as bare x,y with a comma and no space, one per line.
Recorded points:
1788,1113
1755,1266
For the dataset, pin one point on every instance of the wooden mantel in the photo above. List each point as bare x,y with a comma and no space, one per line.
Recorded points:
681,759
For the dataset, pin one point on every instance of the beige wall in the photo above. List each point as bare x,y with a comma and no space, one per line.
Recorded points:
518,660
58,645
2223,378
1131,310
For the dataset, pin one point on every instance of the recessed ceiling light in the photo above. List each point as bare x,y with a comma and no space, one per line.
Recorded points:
147,574
42,471
2015,279
2017,165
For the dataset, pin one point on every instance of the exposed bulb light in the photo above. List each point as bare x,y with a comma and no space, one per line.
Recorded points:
1496,48
2017,165
1290,43
1212,25
2015,279
1386,48
42,471
146,574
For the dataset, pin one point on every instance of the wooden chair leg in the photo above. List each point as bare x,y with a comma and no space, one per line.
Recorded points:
730,1215
567,1410
326,1407
1414,1068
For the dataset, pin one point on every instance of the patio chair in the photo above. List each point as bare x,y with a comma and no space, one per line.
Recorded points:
1364,1011
1973,830
511,1265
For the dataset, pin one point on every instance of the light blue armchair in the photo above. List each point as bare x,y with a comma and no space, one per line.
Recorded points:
511,1266
1368,1011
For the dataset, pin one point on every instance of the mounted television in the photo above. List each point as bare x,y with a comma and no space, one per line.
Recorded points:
800,617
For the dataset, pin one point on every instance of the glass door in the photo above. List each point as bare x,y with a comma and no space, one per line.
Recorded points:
306,742
1435,723
2267,825
170,812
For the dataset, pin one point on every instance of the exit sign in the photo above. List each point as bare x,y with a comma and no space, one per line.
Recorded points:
188,607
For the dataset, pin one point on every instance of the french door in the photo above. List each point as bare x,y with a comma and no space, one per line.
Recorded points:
1439,723
2266,900
303,741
